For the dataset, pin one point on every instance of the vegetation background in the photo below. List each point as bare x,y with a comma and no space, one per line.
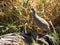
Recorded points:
15,15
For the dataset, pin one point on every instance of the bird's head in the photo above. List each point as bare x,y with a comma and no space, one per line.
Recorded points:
33,11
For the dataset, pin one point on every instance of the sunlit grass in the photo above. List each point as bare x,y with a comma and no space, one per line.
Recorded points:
11,15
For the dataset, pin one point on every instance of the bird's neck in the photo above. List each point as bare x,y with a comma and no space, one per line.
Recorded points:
34,14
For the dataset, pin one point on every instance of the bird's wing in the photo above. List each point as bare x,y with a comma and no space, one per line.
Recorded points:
42,20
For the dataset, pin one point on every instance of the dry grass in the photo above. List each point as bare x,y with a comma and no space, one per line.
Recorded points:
14,14
19,11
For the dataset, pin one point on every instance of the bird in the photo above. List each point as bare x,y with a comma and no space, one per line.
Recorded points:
41,22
